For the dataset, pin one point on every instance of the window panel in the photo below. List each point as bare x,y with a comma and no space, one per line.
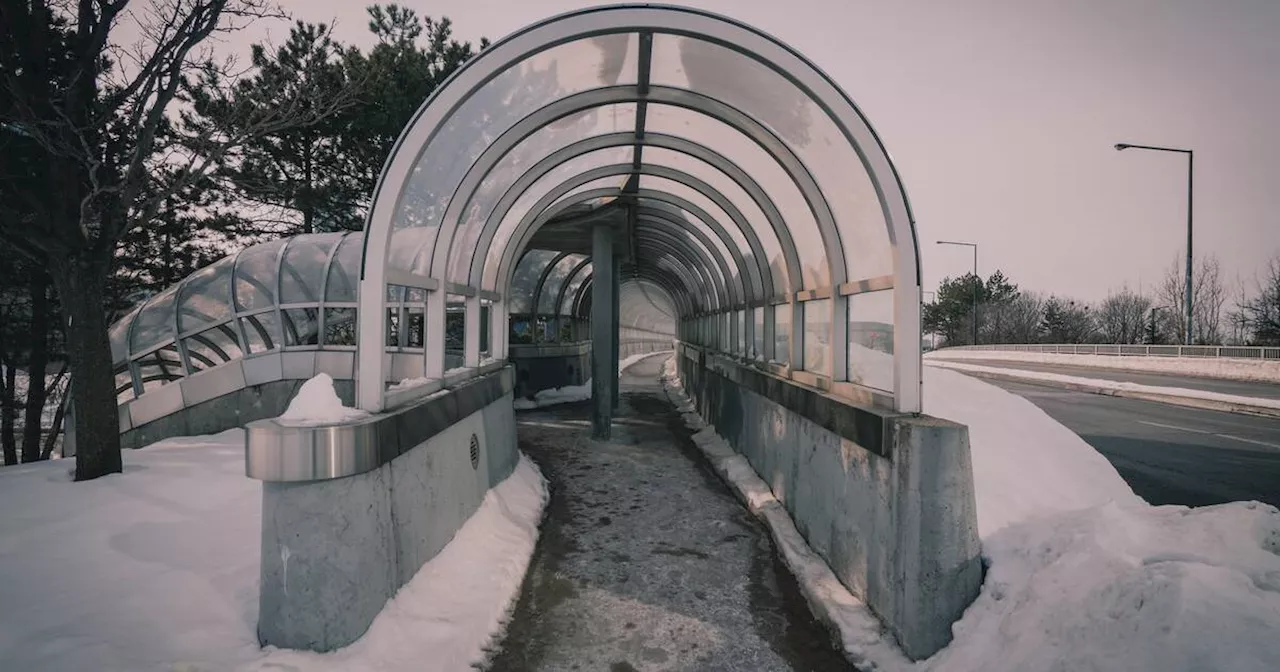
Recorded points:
206,296
256,276
525,279
155,324
344,272
555,280
757,336
339,326
261,331
575,284
455,329
301,326
303,268
817,346
782,333
159,368
871,339
213,347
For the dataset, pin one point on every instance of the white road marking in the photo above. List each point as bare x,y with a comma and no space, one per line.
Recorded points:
1221,436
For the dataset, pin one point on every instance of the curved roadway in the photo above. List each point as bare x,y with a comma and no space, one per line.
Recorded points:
1221,386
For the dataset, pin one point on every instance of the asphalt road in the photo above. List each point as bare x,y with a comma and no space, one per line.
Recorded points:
1244,389
1171,454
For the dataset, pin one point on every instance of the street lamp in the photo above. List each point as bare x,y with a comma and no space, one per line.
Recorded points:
1190,176
976,282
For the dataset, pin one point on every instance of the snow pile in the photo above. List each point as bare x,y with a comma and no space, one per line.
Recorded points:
458,603
408,384
157,569
573,393
1025,464
1117,386
317,403
1248,370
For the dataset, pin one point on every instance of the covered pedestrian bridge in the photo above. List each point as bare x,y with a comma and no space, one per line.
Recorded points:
611,181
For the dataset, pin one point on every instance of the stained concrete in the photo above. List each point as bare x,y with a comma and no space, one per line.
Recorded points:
646,560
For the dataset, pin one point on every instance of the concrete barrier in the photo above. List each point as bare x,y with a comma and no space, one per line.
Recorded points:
334,551
887,500
549,366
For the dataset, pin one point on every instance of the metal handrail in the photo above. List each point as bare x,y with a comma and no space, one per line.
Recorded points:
1195,351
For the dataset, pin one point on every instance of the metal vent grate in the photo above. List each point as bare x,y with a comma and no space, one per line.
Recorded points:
475,452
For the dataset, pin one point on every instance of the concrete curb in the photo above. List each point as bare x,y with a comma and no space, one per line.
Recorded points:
1171,399
863,639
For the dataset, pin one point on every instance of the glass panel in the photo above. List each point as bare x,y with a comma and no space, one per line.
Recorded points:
261,331
817,325
663,219
393,327
206,296
575,284
255,276
554,73
739,149
555,280
119,335
588,123
339,326
525,280
303,267
871,339
742,332
757,337
735,194
302,326
155,323
159,368
212,347
520,331
782,333
455,330
124,385
485,313
803,125
417,326
344,273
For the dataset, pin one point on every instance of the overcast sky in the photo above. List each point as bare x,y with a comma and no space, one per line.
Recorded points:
1001,117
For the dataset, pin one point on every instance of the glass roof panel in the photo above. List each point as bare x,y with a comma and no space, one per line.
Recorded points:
119,335
525,280
256,278
735,194
588,123
554,73
555,280
792,115
695,197
303,268
206,296
344,272
756,162
155,324
575,284
721,250
647,224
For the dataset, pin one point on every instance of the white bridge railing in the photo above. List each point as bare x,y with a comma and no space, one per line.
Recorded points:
1210,351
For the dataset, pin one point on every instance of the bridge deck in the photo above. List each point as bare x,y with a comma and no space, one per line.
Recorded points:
646,559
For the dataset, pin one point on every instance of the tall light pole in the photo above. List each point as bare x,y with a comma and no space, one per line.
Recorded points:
977,282
1191,157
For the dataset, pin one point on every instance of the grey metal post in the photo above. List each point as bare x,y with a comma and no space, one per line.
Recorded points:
604,372
616,353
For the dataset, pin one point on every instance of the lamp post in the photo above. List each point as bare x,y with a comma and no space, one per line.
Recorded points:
977,282
1190,177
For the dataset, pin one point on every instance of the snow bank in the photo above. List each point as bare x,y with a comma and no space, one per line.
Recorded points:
317,403
157,569
573,393
1226,400
1025,464
1249,370
457,604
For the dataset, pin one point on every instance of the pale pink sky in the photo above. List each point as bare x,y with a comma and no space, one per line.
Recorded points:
1001,117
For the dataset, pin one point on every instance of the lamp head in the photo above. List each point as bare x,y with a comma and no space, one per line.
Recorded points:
1121,146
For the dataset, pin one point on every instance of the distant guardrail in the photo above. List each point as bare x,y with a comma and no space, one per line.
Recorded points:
1198,351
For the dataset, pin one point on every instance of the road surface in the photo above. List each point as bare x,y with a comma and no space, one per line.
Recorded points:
1171,454
1241,388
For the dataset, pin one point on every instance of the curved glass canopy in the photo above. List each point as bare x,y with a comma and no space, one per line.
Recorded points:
744,184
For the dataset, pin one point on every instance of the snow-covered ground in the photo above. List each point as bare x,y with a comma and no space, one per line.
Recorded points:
1227,400
157,570
1249,370
573,393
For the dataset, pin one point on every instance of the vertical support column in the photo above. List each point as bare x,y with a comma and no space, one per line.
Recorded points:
616,351
604,372
471,337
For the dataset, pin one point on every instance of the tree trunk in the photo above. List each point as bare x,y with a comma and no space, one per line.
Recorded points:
37,364
81,284
52,440
8,411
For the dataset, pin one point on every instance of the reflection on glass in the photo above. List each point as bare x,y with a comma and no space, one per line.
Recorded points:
206,296
339,326
782,333
261,331
871,339
817,331
303,267
485,315
154,324
210,348
344,272
159,368
525,280
757,337
255,276
455,325
393,327
301,326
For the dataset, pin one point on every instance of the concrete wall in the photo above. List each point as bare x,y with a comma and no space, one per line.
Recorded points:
334,552
887,500
547,366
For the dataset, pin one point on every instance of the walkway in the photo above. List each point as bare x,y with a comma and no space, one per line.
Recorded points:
646,561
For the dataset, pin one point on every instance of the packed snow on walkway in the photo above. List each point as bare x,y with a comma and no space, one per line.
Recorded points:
1248,370
317,403
157,569
1110,385
573,393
